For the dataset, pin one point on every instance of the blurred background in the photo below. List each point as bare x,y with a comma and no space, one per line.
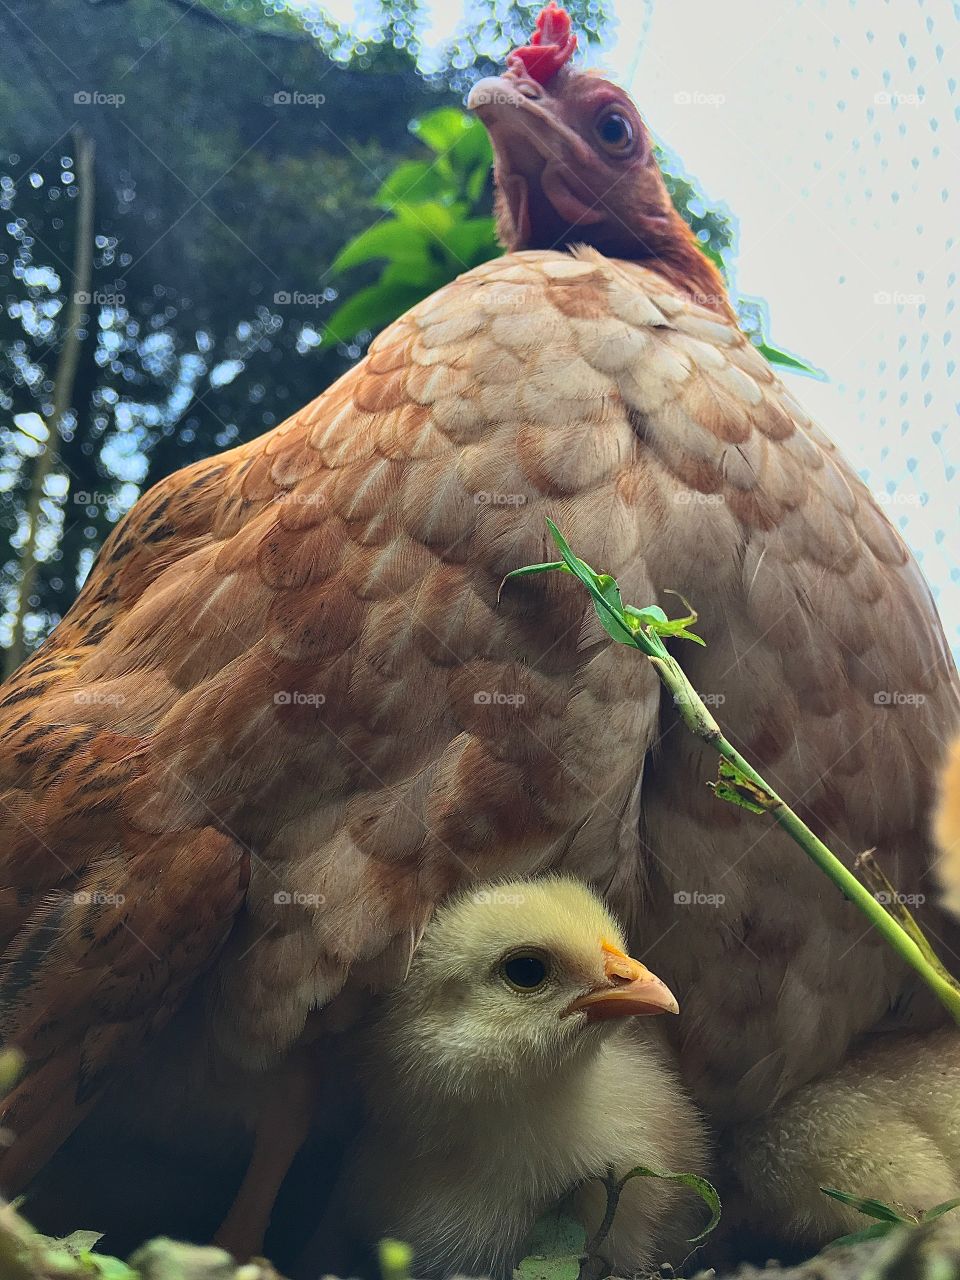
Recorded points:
210,205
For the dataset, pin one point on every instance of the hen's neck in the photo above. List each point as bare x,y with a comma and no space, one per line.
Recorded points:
667,246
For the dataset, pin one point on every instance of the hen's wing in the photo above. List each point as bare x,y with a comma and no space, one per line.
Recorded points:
304,638
105,927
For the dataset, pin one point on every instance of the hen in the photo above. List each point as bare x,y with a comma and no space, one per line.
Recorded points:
288,714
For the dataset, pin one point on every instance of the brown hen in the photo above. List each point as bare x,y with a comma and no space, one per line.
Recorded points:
289,663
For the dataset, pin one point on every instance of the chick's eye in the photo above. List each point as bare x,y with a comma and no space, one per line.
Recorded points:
615,132
525,971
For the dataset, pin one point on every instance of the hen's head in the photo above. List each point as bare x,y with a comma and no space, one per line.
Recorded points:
574,164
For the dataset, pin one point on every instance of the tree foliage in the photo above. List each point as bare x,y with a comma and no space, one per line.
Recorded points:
261,204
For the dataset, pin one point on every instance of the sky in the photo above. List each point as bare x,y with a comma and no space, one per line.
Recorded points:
831,130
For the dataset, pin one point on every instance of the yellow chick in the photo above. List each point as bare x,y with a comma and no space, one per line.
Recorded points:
886,1127
514,1065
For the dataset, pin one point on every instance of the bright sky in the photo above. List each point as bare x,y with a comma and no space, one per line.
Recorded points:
831,128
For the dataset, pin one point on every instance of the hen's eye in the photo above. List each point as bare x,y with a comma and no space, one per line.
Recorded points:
615,132
525,971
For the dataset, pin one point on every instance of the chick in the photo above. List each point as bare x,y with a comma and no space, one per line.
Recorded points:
886,1126
509,1069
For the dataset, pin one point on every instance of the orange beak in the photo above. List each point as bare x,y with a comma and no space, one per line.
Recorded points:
630,989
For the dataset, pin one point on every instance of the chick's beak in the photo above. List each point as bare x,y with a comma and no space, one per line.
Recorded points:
630,989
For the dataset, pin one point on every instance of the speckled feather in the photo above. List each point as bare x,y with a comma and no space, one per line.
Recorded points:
291,658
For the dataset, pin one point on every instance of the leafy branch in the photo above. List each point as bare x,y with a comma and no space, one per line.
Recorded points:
593,1264
738,782
431,229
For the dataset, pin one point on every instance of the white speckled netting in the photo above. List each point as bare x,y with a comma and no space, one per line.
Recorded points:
832,130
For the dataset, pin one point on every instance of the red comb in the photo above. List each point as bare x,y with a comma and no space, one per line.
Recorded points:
551,45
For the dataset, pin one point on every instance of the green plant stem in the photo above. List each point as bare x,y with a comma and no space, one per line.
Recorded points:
701,722
739,782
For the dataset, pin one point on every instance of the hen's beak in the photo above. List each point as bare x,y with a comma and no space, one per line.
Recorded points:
630,989
513,105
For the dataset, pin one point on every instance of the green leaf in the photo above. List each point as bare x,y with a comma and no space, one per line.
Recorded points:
111,1268
735,787
650,616
713,255
552,566
78,1242
603,588
389,238
704,1189
613,619
939,1210
415,180
784,358
473,241
430,218
73,1255
395,1258
553,1250
425,277
872,1208
472,149
475,184
443,128
857,1237
655,618
370,308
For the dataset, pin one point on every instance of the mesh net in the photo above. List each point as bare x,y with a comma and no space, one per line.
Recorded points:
831,130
